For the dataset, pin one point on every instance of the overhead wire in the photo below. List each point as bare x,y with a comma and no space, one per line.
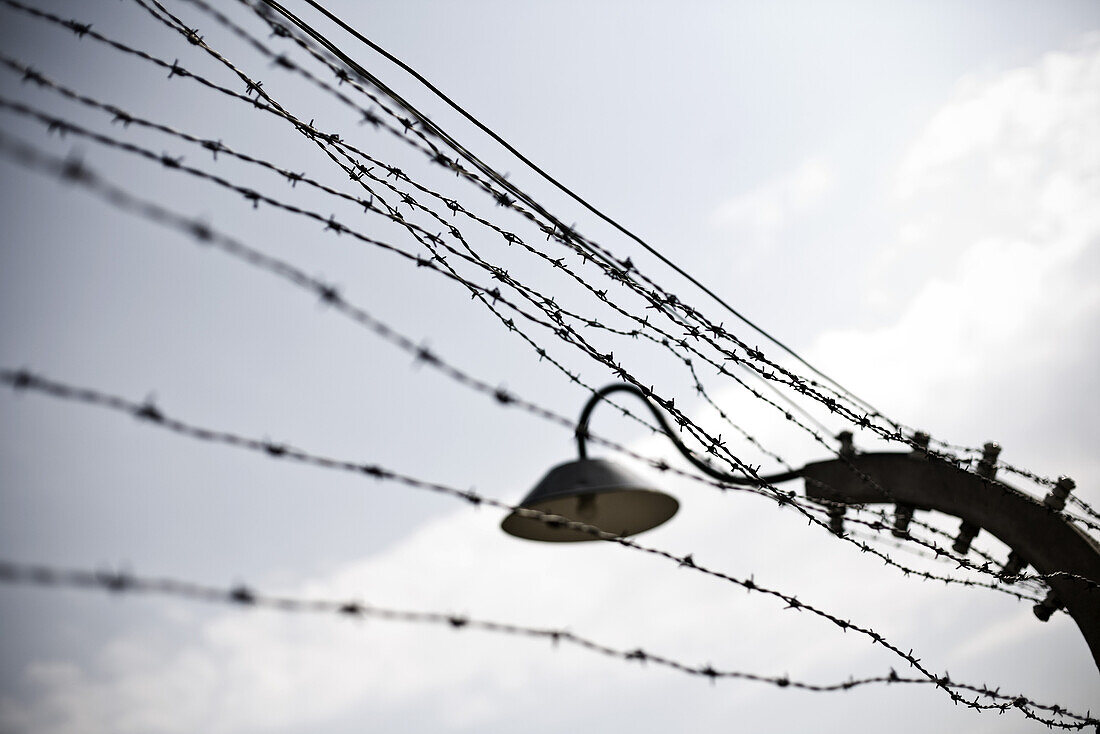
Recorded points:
174,66
245,596
153,415
192,35
542,173
76,173
337,53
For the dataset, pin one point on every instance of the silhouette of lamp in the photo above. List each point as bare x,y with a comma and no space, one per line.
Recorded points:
602,494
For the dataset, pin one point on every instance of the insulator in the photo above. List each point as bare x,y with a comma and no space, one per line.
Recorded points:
903,515
1014,565
1056,500
847,447
987,467
836,519
967,533
1047,607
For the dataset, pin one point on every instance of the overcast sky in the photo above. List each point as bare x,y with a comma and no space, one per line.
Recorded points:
904,193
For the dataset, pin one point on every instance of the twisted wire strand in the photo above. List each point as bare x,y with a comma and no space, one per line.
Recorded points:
152,415
83,29
175,70
614,268
341,72
64,127
714,447
342,75
76,173
245,596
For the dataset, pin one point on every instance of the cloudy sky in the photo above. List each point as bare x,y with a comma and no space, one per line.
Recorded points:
906,195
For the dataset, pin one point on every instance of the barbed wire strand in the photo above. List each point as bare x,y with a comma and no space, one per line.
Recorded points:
282,31
246,596
81,30
569,335
76,173
681,424
481,126
222,18
175,70
151,414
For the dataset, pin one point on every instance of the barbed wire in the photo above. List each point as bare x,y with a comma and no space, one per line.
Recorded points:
176,24
341,72
1086,508
283,62
151,414
714,447
986,569
246,596
76,173
882,530
175,70
63,127
82,29
38,78
264,12
342,75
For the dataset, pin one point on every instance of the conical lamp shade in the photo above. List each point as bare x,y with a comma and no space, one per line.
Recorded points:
595,492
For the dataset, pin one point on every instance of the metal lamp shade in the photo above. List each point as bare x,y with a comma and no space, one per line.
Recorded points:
595,492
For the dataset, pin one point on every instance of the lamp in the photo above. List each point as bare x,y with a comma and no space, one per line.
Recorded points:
600,493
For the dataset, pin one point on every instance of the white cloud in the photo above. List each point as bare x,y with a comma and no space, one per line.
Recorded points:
1006,176
1011,160
758,216
999,216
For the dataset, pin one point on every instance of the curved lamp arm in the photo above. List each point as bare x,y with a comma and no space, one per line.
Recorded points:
662,421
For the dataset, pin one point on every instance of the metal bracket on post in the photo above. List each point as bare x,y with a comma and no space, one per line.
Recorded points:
1037,534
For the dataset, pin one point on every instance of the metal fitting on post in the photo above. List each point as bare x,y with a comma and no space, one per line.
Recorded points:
1047,607
967,533
847,447
987,467
1014,565
1056,500
921,439
903,515
836,519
